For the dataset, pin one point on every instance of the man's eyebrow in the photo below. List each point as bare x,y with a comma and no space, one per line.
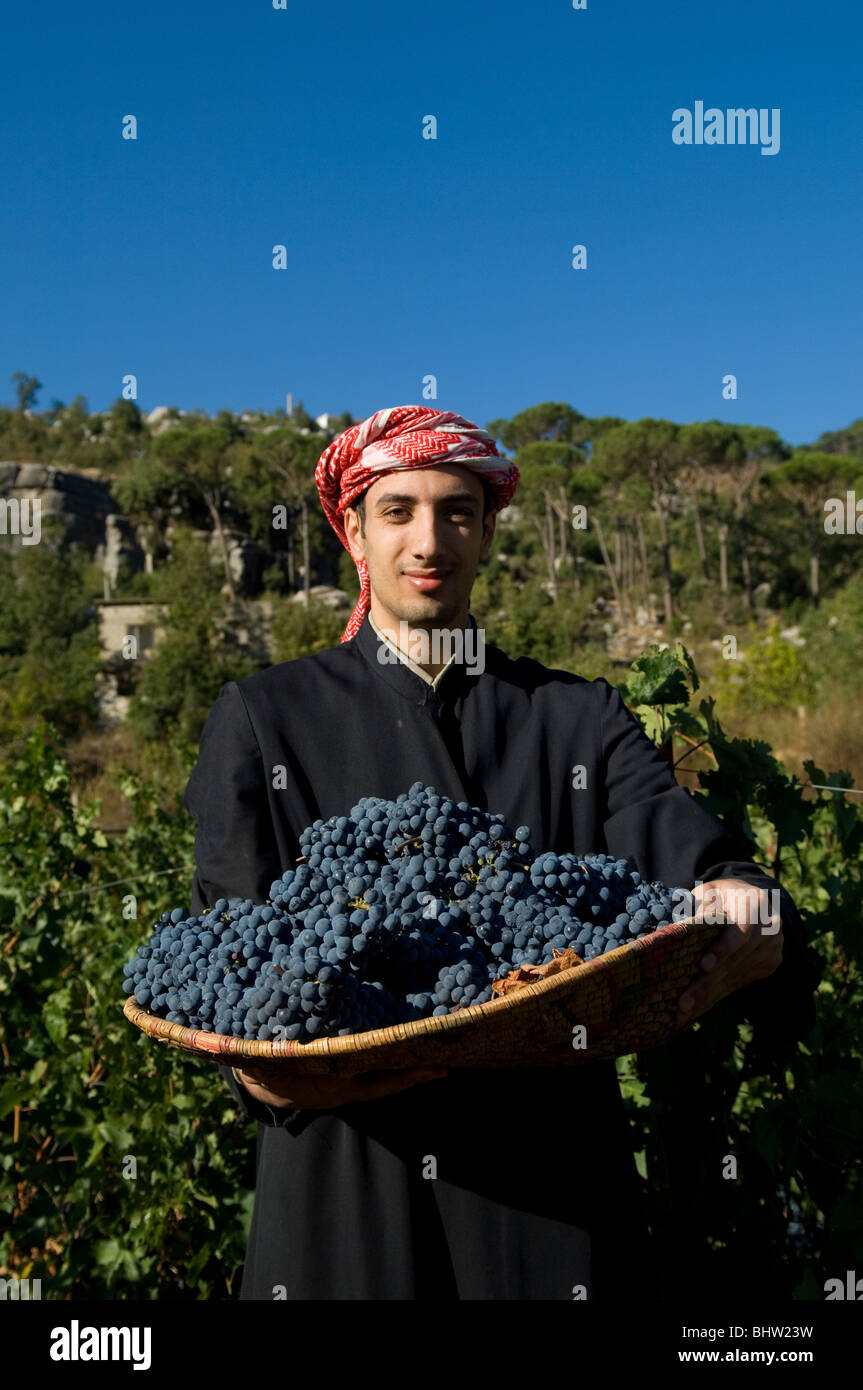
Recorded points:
408,497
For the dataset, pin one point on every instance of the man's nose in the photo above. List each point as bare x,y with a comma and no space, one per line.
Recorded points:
427,534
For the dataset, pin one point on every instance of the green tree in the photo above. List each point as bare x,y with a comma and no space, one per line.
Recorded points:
185,465
54,411
274,473
125,419
845,441
808,480
759,450
649,448
624,500
298,629
302,420
553,421
27,389
770,674
49,648
180,680
705,449
546,470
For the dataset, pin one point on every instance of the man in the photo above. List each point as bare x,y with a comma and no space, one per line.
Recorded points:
513,1184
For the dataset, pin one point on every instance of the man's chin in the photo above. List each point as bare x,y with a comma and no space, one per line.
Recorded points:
427,610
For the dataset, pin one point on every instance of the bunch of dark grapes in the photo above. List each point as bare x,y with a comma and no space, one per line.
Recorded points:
398,911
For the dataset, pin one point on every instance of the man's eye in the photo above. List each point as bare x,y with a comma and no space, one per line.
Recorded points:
455,513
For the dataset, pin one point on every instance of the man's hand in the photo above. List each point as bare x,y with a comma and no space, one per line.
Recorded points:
748,948
275,1086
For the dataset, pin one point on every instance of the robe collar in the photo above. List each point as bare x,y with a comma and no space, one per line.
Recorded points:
399,655
390,668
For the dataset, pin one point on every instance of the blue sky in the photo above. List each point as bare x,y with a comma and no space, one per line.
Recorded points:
451,257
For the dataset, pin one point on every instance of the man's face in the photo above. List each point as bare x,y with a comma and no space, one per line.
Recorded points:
424,538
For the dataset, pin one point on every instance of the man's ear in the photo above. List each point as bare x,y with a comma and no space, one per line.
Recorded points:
487,534
353,534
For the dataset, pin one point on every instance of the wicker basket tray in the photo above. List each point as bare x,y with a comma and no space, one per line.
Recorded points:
626,1000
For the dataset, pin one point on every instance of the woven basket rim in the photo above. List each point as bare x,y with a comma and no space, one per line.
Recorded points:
210,1044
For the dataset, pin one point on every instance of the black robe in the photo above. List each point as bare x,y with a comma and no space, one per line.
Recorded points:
535,1190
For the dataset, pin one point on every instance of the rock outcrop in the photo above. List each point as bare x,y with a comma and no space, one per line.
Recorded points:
83,507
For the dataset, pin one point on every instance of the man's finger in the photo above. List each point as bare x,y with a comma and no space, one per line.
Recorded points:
702,993
390,1082
262,1076
730,939
697,1000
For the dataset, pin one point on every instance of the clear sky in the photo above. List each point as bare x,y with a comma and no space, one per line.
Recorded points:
451,257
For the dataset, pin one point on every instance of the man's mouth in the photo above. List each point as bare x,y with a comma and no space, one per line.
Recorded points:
426,580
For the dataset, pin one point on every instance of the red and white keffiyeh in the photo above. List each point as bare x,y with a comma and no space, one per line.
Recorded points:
403,436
